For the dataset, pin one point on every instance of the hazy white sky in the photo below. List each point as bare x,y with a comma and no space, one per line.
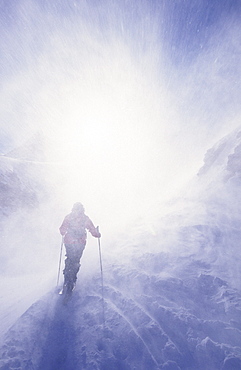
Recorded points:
128,95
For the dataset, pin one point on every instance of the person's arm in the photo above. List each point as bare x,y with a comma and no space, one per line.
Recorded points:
91,228
64,227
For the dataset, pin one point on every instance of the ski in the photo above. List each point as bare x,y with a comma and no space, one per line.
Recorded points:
66,292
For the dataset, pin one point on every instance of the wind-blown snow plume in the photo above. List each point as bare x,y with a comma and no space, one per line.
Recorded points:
126,94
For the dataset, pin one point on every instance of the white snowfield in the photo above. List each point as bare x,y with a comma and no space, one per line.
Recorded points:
172,298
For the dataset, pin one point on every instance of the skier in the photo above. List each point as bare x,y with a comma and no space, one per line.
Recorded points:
73,230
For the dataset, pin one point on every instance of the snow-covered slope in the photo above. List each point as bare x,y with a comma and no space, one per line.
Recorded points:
28,240
172,296
188,320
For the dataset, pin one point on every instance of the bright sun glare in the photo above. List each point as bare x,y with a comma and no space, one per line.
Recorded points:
100,98
106,125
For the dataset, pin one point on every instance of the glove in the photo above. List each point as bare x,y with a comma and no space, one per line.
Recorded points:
98,234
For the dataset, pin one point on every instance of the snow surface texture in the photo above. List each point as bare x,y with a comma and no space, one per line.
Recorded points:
174,304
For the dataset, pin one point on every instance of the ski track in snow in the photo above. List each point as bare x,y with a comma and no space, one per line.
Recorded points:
57,352
135,330
151,318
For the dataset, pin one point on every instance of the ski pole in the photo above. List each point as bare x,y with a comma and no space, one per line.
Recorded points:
102,279
60,258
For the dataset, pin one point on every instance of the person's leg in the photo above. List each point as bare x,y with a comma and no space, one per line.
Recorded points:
72,262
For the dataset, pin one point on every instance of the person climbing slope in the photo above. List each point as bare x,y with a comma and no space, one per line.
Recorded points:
73,230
